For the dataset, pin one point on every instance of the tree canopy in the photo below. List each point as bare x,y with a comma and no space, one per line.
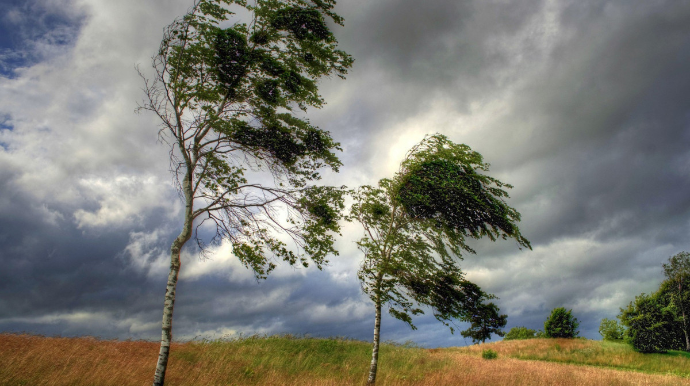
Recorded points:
561,324
484,321
229,95
658,322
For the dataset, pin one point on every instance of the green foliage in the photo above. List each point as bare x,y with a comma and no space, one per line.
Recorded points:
440,184
609,329
485,320
561,324
409,260
230,96
517,333
651,325
489,354
676,290
659,322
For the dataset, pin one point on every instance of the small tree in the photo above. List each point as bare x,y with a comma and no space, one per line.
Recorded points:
517,333
485,320
226,98
561,324
609,329
415,229
677,272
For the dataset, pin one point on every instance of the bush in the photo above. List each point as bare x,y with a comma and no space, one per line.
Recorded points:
489,354
516,333
609,329
561,324
651,325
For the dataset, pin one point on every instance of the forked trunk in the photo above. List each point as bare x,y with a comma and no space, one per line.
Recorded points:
375,351
175,263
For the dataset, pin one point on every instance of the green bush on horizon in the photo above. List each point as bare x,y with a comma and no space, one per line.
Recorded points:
610,329
520,332
561,324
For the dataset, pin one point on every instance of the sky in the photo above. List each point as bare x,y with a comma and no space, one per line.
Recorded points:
582,105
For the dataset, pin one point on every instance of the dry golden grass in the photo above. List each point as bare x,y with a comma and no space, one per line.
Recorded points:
273,361
587,352
472,370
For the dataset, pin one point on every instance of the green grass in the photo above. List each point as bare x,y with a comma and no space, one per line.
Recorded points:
321,358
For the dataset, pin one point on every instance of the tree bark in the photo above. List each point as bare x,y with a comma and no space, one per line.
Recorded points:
175,264
375,352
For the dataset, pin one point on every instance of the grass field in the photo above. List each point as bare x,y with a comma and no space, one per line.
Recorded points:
284,360
589,352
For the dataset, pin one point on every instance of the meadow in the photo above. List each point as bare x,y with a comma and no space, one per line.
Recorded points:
288,360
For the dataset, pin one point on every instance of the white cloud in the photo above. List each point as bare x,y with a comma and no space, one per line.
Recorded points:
124,200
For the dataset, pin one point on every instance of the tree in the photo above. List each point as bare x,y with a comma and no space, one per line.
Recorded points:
650,325
517,333
241,157
415,227
677,272
485,320
561,324
609,329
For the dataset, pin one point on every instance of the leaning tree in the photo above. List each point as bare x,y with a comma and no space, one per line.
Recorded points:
229,95
415,228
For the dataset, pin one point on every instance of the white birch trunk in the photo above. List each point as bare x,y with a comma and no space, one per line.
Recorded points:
375,352
175,263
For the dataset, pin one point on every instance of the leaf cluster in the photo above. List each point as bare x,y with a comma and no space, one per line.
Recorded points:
412,242
440,183
610,329
229,96
658,322
651,326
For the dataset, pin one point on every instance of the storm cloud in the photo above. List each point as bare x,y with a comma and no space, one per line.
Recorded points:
583,106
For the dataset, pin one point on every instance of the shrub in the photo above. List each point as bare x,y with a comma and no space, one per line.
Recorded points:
489,354
651,325
561,324
516,333
609,329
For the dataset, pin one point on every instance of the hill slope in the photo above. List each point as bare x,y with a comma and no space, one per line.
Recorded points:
285,360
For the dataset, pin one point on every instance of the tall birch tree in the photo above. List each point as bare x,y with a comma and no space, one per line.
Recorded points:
415,228
229,96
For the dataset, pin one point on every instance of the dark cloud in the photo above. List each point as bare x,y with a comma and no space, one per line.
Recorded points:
581,105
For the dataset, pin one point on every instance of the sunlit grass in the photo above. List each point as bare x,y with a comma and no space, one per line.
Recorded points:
274,360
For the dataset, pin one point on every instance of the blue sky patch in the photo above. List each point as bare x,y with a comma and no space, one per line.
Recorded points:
29,29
